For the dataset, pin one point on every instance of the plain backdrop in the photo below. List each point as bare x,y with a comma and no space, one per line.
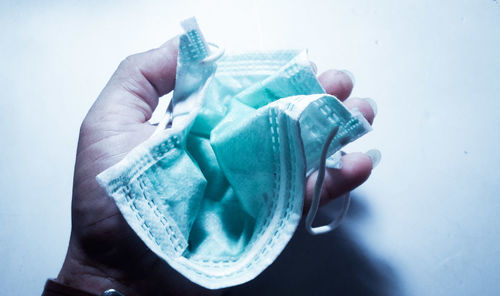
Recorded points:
426,222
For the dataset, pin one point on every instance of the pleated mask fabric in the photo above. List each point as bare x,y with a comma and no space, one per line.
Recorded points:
217,191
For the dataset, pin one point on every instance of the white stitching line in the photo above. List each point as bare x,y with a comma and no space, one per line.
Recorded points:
157,153
270,243
176,242
285,214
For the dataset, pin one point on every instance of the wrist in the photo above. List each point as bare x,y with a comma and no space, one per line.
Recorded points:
77,273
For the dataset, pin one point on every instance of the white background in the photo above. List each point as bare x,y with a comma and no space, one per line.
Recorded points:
426,223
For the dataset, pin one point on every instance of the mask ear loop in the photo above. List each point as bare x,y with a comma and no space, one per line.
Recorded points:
216,54
318,188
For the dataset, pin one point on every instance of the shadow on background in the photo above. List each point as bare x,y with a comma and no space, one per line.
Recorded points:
330,264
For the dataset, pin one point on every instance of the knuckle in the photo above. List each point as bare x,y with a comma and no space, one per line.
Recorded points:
86,127
129,62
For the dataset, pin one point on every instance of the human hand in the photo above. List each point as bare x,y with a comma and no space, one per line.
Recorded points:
104,252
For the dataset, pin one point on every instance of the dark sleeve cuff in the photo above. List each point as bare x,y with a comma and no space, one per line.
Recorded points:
53,288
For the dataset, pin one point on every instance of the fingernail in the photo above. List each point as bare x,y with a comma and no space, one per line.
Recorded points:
373,104
348,73
375,156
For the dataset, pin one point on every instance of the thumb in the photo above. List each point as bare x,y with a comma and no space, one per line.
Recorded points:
132,93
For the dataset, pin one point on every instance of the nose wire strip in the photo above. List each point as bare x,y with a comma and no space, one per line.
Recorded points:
217,54
318,188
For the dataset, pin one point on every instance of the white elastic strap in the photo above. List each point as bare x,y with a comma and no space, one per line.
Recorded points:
318,188
216,54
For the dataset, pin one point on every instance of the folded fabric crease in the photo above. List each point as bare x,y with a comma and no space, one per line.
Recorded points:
217,191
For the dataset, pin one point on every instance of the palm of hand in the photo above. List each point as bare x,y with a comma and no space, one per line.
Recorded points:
102,237
104,251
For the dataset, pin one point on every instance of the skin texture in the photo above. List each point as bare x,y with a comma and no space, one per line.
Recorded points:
103,251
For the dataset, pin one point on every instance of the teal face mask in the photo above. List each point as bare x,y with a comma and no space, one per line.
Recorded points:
217,191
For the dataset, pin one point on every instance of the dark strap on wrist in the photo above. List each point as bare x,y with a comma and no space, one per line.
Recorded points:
53,288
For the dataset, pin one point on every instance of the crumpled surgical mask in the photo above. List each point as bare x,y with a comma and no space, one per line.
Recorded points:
217,191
